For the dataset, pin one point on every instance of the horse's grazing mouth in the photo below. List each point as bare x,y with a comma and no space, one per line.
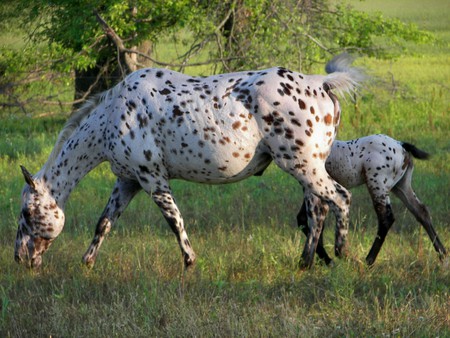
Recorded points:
29,251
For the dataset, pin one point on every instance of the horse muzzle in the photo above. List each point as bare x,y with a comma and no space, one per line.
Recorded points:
29,250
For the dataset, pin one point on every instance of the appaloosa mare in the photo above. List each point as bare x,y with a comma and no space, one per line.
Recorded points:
158,125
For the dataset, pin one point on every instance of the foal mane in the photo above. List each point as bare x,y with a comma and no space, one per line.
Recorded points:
71,124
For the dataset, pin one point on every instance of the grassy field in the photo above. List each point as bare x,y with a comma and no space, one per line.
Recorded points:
246,281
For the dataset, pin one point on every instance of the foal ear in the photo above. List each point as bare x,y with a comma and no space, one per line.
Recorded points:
28,177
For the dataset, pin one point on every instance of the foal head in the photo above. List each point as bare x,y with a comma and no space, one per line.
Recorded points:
40,222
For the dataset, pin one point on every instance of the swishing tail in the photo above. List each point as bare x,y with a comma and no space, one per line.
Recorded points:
414,151
342,77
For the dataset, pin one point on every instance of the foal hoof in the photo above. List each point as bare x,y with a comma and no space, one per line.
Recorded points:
303,265
330,264
370,261
189,261
89,262
341,252
442,255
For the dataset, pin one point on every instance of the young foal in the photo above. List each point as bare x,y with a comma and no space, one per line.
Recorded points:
383,165
157,125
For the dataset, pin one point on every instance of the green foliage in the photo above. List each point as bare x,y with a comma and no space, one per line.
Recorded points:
26,71
73,25
300,34
360,30
64,36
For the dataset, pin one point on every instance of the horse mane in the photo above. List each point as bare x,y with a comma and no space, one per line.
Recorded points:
71,124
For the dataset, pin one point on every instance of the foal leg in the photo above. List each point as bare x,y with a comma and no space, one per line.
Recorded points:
404,191
386,218
302,222
123,192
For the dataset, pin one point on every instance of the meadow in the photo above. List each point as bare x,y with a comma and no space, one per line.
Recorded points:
246,281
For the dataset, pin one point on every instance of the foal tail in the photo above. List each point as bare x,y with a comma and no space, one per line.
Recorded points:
414,151
342,76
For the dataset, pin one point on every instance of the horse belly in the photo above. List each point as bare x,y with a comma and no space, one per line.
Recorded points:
215,154
345,171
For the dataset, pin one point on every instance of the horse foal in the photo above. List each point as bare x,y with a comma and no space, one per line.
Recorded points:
383,165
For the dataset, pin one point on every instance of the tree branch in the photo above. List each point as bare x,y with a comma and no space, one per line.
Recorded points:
168,64
118,42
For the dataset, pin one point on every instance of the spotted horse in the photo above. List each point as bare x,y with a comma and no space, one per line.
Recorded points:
383,164
157,125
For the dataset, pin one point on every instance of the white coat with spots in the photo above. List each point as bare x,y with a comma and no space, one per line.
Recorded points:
157,125
383,165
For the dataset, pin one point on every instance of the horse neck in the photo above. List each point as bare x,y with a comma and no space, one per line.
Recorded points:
80,153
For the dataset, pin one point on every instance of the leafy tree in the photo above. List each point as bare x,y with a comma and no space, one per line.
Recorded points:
96,34
298,34
100,41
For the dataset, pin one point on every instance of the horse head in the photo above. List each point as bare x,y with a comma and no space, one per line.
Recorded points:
41,220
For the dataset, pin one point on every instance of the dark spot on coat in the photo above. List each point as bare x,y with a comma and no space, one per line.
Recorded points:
165,91
301,104
236,125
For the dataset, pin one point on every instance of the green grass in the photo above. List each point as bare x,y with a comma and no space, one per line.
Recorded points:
246,281
430,15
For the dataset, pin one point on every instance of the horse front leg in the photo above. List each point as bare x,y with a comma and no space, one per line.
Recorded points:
123,192
164,199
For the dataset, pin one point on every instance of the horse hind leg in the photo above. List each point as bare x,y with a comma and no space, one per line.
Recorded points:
302,222
340,205
312,175
405,193
338,198
123,192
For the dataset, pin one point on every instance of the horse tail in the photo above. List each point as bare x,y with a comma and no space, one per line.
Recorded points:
414,151
342,77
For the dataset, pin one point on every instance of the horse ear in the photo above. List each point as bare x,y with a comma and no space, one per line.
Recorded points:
28,177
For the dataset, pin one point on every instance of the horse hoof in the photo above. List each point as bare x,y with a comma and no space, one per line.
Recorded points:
189,261
89,262
303,265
